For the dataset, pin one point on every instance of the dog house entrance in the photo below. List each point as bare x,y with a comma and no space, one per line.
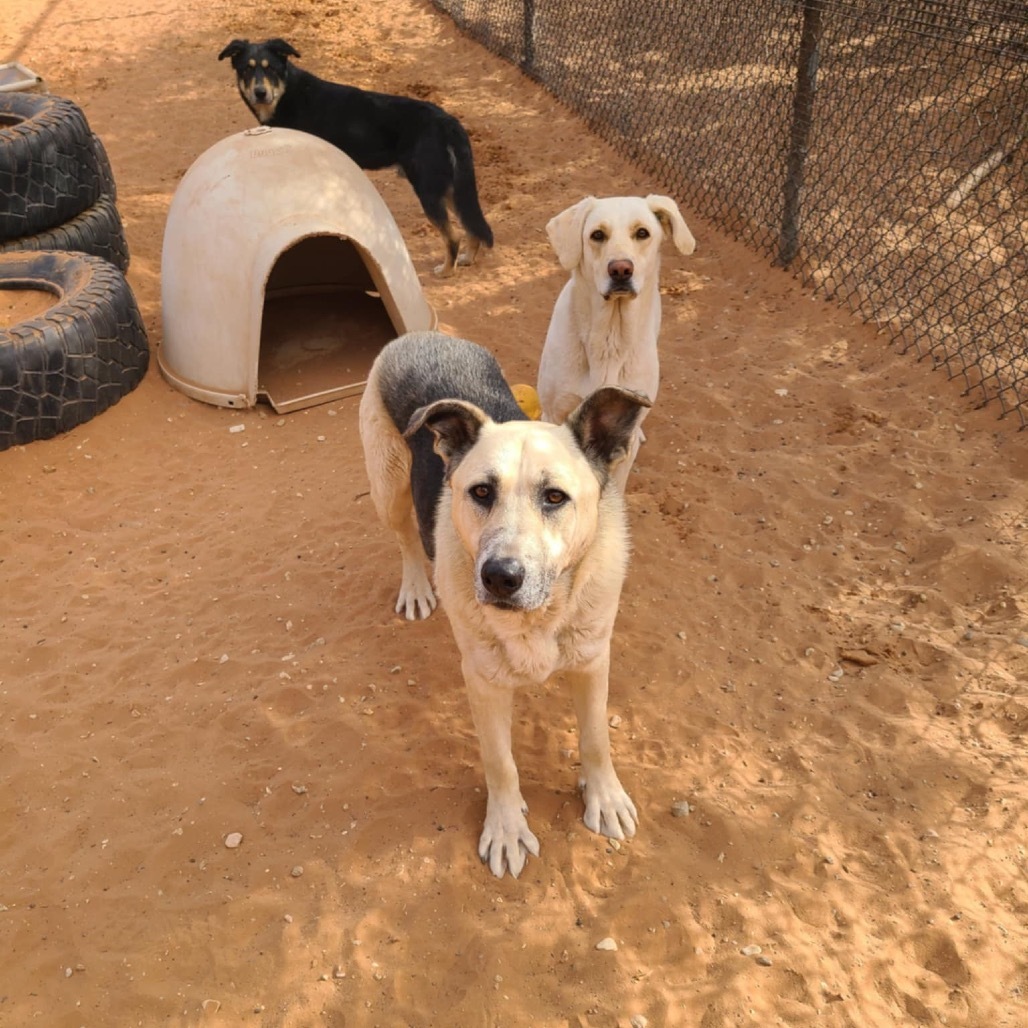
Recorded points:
324,322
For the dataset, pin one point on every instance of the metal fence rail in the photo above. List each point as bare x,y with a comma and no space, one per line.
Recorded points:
876,149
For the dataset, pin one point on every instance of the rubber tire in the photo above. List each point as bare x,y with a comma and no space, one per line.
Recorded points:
97,230
103,163
72,362
50,170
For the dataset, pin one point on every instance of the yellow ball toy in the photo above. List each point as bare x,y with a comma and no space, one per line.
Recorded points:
528,400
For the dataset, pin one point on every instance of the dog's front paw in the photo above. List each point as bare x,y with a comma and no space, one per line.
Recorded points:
506,839
416,600
609,810
443,270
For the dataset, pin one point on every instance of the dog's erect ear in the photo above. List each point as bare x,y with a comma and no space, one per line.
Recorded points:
565,233
455,425
604,421
237,46
280,48
667,213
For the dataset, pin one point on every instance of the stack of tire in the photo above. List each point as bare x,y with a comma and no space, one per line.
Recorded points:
61,233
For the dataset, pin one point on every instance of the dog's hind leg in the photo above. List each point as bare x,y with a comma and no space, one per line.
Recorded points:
388,460
440,217
470,251
430,181
416,598
464,193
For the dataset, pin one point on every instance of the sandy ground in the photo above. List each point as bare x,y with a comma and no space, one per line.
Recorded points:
822,647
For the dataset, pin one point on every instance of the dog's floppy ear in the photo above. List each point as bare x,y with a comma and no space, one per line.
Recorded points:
604,421
280,48
455,425
237,46
565,233
667,213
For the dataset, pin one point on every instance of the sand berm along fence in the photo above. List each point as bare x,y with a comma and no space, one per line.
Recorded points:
877,150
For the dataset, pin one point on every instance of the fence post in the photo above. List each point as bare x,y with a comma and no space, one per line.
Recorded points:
799,136
528,38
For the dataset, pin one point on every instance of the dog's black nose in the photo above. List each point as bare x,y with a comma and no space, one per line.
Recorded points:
260,94
502,576
620,271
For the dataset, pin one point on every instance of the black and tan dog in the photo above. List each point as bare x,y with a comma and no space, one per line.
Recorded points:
375,130
526,527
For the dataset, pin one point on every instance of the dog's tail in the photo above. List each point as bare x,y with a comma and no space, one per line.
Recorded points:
465,188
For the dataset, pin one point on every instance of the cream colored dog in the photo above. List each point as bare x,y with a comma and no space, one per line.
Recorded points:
527,531
606,321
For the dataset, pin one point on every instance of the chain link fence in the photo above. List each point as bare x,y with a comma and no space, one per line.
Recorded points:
876,149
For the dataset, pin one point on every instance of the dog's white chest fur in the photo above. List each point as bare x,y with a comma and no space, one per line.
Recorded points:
618,339
519,649
528,658
532,657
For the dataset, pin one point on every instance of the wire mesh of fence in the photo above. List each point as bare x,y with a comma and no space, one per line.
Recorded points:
876,149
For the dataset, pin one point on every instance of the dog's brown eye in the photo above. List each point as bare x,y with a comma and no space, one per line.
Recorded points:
598,235
555,498
481,493
642,233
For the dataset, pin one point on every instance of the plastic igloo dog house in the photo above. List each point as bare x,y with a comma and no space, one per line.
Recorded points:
282,274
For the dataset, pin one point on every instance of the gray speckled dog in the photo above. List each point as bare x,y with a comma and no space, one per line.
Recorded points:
526,528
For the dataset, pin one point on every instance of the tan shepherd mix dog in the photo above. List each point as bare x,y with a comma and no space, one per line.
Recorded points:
606,321
527,531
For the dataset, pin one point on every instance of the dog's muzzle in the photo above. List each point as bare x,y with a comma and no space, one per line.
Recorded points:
619,279
263,95
502,578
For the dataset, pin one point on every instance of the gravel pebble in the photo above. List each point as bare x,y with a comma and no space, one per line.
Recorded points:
607,944
233,839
